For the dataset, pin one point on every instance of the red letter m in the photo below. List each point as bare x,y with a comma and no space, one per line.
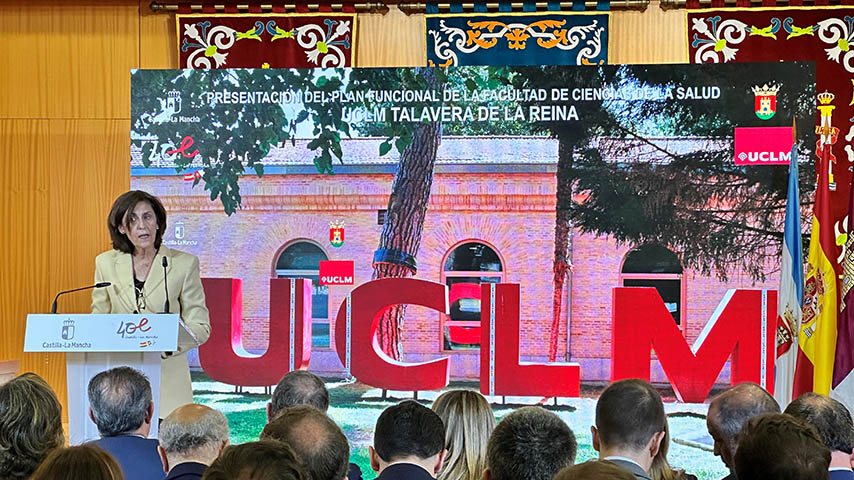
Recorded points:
743,325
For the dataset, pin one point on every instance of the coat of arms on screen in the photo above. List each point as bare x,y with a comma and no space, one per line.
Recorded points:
336,234
765,101
68,329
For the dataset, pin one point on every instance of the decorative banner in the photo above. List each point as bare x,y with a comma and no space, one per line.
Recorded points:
577,38
818,34
294,40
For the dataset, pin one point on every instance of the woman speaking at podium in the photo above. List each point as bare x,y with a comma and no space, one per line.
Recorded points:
135,268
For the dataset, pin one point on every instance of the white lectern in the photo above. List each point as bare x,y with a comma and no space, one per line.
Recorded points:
97,342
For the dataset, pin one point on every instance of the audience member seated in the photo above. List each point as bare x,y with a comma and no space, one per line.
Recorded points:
776,446
191,438
630,425
595,470
409,443
30,425
469,422
315,439
85,462
834,425
531,443
120,405
661,469
264,460
729,411
301,387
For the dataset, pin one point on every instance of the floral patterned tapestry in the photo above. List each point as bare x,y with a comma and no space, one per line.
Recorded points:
824,35
551,38
266,41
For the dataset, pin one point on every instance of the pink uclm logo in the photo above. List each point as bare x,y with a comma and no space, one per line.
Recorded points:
763,145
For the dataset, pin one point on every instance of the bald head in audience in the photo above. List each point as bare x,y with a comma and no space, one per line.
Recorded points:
192,434
315,439
729,411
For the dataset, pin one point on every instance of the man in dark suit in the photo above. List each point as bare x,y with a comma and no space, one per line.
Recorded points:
630,425
531,443
191,438
120,405
301,387
834,425
409,443
729,411
776,446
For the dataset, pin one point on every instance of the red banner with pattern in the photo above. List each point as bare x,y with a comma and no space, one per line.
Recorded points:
823,35
266,41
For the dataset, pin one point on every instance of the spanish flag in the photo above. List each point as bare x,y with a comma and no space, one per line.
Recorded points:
817,336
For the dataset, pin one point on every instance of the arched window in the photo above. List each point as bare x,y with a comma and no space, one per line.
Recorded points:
302,260
655,266
467,266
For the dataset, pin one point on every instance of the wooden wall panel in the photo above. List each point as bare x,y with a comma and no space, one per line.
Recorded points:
25,270
158,42
23,63
391,40
90,166
93,46
651,36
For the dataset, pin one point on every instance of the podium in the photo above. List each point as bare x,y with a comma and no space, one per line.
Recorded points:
97,342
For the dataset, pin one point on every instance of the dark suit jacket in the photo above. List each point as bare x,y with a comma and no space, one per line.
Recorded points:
136,455
187,471
731,476
841,475
354,472
636,470
404,471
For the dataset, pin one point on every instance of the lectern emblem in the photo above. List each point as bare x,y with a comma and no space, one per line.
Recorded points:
68,329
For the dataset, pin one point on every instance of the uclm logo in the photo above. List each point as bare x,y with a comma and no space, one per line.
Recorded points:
763,145
782,158
336,272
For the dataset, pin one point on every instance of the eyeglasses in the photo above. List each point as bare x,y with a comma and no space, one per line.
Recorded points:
140,299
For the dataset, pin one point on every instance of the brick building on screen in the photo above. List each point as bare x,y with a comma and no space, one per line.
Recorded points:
490,219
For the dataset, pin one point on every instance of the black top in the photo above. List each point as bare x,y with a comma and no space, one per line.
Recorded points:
187,471
404,471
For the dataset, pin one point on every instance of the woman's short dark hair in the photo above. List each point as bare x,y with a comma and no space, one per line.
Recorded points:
30,425
84,462
119,216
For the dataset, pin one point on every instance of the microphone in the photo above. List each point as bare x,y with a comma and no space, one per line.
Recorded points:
165,284
97,285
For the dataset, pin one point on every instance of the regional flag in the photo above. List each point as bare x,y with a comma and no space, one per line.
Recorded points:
843,367
817,337
790,299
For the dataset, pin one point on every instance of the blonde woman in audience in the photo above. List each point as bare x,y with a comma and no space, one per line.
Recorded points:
469,422
86,462
660,469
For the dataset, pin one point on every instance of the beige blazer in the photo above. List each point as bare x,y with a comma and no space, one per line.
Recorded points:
186,297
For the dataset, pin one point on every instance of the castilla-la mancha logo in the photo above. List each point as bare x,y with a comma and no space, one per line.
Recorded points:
68,329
